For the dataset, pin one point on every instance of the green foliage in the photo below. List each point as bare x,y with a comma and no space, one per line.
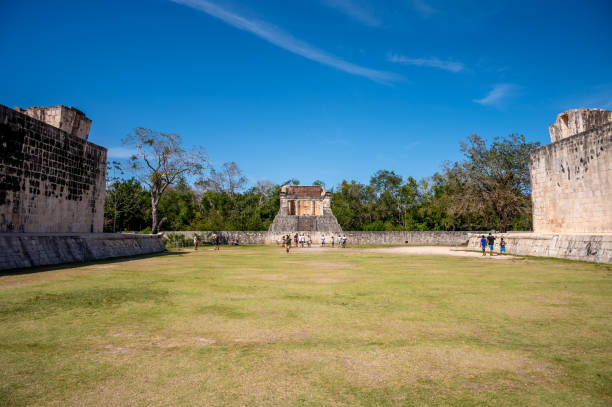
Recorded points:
127,206
177,240
488,190
493,180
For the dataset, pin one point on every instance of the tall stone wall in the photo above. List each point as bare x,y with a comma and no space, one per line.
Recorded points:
50,180
571,183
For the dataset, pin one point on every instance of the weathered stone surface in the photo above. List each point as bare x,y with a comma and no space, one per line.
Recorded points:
571,184
304,209
50,180
396,238
596,248
19,250
575,121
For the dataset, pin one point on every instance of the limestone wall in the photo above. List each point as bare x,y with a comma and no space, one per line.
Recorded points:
394,238
50,181
596,248
571,182
18,250
577,121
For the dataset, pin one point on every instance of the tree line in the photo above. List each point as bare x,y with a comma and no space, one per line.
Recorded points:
165,187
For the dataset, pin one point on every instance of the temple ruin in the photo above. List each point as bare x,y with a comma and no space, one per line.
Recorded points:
305,209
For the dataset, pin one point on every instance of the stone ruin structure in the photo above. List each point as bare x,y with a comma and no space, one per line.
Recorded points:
571,178
52,183
305,209
51,178
571,191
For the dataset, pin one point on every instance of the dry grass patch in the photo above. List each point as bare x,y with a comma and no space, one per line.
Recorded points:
253,326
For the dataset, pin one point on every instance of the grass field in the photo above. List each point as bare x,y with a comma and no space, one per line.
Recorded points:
251,326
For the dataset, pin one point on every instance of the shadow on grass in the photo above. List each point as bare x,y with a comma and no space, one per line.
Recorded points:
40,269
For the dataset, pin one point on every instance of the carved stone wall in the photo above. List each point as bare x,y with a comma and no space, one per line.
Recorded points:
51,181
571,179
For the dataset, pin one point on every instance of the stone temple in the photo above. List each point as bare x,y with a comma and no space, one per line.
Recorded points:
305,209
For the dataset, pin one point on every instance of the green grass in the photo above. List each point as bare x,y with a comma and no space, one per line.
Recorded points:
253,326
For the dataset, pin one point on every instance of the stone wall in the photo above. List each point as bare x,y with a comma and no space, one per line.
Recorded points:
18,250
391,238
571,182
577,121
50,181
68,119
596,248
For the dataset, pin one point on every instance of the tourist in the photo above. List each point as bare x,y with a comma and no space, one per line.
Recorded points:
215,238
309,241
332,240
323,241
483,245
491,243
502,246
287,243
195,242
343,241
295,239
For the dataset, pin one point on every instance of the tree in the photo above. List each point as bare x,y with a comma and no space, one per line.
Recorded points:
125,207
492,179
229,179
159,162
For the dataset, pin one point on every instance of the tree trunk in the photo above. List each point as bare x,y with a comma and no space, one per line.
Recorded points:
155,223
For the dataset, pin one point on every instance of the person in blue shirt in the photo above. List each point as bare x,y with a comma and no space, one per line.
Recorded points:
483,245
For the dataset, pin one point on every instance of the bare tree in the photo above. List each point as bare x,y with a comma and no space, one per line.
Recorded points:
229,179
160,161
263,189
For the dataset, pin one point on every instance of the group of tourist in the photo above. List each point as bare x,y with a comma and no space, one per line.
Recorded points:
332,240
304,240
490,241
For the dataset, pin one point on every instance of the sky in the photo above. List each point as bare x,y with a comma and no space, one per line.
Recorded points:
313,90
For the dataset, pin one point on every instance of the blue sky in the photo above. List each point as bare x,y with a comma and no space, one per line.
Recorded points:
320,89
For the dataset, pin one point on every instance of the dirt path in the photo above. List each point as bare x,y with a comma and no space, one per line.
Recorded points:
410,250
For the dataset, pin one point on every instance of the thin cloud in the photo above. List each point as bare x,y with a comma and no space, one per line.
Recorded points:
498,95
120,152
286,41
423,8
452,66
355,9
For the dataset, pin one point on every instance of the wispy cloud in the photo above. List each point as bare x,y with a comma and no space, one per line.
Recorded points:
286,41
423,8
120,152
411,146
453,66
358,10
499,95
